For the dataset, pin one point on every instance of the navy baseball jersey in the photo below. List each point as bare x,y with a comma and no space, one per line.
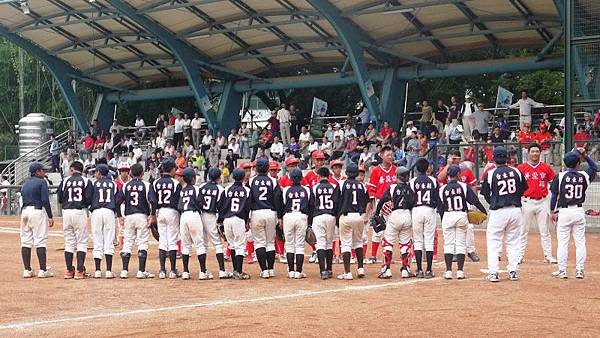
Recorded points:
296,198
105,195
569,187
166,189
456,196
326,197
234,202
503,186
265,192
188,199
401,195
75,192
353,197
426,191
208,197
138,197
34,193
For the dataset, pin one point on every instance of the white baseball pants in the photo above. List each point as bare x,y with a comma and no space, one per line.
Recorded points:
423,224
34,227
470,240
209,221
167,220
454,228
399,228
571,221
503,223
75,230
192,233
136,229
235,231
294,230
351,231
538,212
103,232
263,223
324,228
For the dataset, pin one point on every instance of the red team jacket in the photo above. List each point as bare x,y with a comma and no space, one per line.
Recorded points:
380,180
538,179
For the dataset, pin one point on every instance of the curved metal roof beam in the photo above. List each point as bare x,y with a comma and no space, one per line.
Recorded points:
38,22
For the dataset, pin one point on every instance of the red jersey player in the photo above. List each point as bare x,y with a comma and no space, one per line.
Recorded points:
542,137
311,178
291,163
336,176
120,181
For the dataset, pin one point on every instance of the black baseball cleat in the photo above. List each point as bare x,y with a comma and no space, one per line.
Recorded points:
324,275
428,275
473,257
420,274
512,275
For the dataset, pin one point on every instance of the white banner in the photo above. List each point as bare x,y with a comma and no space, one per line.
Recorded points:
504,98
319,108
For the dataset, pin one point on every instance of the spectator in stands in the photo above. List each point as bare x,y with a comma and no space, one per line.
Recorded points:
549,121
230,160
178,131
87,145
206,141
454,110
187,126
413,148
115,131
187,149
115,161
426,115
338,148
171,119
482,121
581,136
244,136
232,135
284,118
371,134
326,147
385,133
169,132
234,146
525,104
160,123
276,149
399,155
497,138
169,149
350,152
466,114
312,146
254,142
214,154
55,153
88,163
196,131
349,131
221,140
337,131
139,125
588,122
304,137
365,118
440,115
328,134
273,124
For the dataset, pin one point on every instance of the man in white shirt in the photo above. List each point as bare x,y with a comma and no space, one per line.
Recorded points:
187,127
196,132
525,104
244,134
276,149
140,124
304,136
178,135
206,141
338,131
137,152
283,115
466,111
349,131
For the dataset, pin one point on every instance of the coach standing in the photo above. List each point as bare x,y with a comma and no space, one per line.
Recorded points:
36,218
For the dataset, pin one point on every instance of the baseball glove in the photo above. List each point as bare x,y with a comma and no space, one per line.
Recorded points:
378,223
311,239
221,229
154,230
279,233
476,217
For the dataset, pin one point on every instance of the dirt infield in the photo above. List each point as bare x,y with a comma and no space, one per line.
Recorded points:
537,305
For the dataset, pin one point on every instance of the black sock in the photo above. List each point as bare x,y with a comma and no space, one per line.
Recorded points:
41,255
429,257
202,261
186,263
387,254
346,257
404,259
419,258
108,262
261,257
299,262
290,261
233,260
329,258
81,261
142,256
98,263
173,259
460,261
221,261
360,256
271,260
240,259
125,258
321,257
26,255
69,260
162,258
448,259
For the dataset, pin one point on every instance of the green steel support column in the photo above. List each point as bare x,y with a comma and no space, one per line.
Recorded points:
228,116
266,100
351,38
103,111
392,100
568,22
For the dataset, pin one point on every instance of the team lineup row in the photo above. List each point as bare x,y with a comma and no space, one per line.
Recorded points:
296,203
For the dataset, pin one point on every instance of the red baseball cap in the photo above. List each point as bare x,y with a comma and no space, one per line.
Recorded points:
246,165
291,161
336,162
361,168
179,172
273,165
318,154
543,126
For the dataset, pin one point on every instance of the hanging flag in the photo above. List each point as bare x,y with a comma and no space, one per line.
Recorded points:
504,98
319,108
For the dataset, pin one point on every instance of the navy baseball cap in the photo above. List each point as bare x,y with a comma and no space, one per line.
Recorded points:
352,170
214,173
262,165
102,169
500,154
238,174
296,175
453,170
571,158
400,171
35,166
188,175
168,165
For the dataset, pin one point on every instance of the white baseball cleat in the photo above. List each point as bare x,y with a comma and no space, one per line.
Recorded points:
109,275
225,275
360,272
291,274
448,274
271,273
299,275
124,274
264,274
185,275
562,274
140,275
45,274
203,275
98,274
579,274
460,274
162,275
345,276
405,273
387,274
209,275
353,260
283,259
172,275
27,273
550,259
313,258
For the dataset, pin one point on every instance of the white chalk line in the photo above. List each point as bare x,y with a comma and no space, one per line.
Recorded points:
5,230
25,325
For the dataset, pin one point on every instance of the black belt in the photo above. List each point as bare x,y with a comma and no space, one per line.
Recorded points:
571,206
346,214
533,198
35,207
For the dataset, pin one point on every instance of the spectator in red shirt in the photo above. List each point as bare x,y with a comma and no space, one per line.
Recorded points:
525,135
543,136
385,133
172,119
581,135
274,123
88,146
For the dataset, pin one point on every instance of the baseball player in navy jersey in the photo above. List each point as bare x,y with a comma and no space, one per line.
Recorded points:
455,197
138,198
209,195
104,208
354,199
234,210
75,195
36,218
296,214
503,188
166,192
568,195
423,216
326,197
399,224
264,200
190,226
